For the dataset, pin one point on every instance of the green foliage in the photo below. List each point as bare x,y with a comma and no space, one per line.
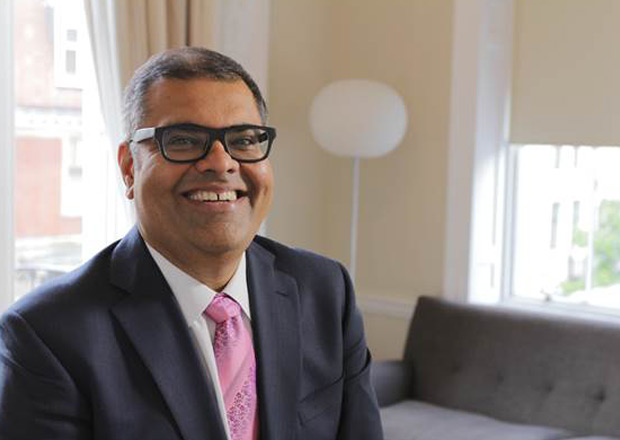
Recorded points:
607,245
606,267
580,238
571,286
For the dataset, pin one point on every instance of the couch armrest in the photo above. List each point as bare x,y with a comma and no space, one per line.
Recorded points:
391,380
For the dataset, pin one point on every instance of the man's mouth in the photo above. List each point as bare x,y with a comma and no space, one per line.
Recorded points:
212,196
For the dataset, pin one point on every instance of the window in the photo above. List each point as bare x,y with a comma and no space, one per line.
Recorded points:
69,41
555,213
61,155
566,228
542,217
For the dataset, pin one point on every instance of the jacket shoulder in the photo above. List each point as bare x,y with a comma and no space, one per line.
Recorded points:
307,267
292,255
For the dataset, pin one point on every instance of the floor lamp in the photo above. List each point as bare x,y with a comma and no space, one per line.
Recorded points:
359,119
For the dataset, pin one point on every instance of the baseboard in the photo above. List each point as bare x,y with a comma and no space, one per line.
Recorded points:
391,307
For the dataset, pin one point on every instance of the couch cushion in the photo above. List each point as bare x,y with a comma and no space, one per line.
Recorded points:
518,366
414,420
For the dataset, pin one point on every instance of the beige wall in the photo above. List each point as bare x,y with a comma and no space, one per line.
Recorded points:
299,65
407,44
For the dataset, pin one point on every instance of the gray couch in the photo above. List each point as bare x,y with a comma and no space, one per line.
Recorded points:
491,373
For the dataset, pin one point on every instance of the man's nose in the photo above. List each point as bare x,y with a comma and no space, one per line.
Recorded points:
217,161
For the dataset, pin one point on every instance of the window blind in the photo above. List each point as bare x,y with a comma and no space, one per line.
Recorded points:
566,72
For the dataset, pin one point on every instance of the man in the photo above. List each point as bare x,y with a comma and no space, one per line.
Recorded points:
191,327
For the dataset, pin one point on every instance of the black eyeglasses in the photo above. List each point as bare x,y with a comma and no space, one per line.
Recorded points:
184,143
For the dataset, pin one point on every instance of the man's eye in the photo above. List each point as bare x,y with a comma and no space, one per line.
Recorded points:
244,142
180,142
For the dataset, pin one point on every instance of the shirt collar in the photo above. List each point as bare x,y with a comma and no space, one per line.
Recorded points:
194,296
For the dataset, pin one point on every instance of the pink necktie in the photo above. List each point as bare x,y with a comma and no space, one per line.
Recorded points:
236,366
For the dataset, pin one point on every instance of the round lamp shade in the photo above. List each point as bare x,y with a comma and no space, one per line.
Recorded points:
358,118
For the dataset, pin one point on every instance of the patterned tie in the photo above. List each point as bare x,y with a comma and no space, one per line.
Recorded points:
236,366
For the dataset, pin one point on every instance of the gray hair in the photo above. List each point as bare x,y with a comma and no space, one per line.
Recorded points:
182,63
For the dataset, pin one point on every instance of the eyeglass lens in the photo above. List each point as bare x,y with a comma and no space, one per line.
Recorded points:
186,144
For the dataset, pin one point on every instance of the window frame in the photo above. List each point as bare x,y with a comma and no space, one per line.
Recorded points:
478,151
479,238
6,154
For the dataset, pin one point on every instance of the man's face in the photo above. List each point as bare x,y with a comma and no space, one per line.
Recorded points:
173,201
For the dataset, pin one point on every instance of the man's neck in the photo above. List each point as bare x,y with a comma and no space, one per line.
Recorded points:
215,271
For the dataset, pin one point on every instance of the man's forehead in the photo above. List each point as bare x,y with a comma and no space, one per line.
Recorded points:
170,90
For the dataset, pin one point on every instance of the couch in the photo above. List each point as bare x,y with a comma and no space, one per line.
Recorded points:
498,373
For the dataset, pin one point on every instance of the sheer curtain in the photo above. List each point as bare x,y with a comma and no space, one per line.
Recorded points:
124,34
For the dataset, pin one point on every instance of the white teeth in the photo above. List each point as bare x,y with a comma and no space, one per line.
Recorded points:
209,196
228,195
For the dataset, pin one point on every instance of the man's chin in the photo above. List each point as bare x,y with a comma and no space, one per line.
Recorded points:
224,244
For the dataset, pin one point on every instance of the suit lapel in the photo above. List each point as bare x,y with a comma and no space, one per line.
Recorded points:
154,323
275,323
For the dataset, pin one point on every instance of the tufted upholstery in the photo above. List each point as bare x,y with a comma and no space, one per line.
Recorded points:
431,422
514,366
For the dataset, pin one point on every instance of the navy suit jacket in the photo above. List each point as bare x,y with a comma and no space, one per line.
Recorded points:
105,353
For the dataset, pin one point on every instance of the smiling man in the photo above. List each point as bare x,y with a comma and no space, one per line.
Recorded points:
191,327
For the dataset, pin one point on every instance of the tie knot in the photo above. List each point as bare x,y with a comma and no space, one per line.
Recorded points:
222,308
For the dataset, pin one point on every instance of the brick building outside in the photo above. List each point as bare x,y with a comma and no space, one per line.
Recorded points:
49,42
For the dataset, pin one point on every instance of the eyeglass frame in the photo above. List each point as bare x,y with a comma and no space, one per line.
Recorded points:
215,134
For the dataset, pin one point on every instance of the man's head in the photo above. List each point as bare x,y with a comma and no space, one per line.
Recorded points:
182,63
211,207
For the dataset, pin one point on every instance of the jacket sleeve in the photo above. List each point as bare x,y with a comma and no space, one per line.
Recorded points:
360,419
38,398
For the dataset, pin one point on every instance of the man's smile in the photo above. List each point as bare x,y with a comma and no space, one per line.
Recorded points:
213,196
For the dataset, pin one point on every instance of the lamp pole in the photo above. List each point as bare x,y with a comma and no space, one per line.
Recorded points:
354,217
357,118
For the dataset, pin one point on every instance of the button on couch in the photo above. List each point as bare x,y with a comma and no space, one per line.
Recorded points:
495,373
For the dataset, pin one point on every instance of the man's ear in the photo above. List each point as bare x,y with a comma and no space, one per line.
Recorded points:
125,163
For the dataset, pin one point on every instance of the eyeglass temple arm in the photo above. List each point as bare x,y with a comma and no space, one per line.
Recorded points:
142,134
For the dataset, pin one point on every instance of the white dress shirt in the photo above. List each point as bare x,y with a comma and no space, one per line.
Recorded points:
193,298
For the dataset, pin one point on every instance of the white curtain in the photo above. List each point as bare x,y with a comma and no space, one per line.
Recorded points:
124,34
